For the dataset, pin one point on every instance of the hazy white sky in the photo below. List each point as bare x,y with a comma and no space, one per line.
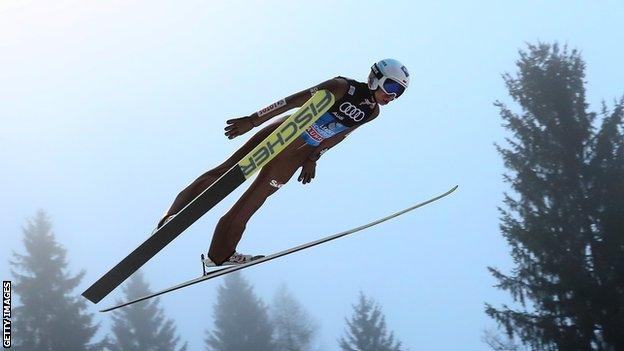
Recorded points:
108,109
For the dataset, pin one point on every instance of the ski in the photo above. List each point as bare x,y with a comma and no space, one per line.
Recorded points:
277,141
225,270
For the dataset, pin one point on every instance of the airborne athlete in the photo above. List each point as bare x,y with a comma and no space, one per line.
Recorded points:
356,104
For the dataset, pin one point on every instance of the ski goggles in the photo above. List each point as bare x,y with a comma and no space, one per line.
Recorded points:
391,87
388,85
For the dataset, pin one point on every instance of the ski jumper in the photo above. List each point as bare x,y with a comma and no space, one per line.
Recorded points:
355,108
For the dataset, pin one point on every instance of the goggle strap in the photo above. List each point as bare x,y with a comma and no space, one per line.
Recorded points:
377,71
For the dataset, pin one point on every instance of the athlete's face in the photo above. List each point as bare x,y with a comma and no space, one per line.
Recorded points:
383,98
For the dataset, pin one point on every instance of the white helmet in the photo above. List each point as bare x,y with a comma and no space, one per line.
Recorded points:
390,75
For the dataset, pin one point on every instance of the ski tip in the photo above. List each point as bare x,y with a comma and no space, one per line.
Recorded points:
110,309
449,191
452,190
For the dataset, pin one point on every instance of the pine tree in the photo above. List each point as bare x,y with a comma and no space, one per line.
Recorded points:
142,326
366,330
565,226
498,342
241,319
606,244
293,327
51,316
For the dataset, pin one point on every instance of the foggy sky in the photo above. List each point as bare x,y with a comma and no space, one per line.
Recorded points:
109,109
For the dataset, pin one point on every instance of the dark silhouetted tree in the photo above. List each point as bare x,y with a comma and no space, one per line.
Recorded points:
498,342
293,327
366,330
565,222
142,326
241,319
51,316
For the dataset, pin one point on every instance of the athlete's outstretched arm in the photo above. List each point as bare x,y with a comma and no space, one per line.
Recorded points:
239,126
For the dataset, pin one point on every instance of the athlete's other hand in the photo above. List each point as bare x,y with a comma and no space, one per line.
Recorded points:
238,126
307,172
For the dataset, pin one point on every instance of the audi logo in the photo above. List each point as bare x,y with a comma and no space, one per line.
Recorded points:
351,111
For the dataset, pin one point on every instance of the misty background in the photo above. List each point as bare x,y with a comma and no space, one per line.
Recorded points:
109,109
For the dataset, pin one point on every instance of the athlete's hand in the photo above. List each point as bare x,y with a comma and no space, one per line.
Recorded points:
238,126
307,171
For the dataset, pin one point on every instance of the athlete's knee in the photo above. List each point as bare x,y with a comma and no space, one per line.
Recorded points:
273,185
263,188
210,177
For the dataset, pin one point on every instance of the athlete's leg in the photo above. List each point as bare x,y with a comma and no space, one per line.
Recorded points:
206,179
230,228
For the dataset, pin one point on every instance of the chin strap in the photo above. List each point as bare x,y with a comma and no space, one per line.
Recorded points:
372,94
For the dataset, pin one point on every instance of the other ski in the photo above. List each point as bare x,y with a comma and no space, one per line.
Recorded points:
277,141
221,271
